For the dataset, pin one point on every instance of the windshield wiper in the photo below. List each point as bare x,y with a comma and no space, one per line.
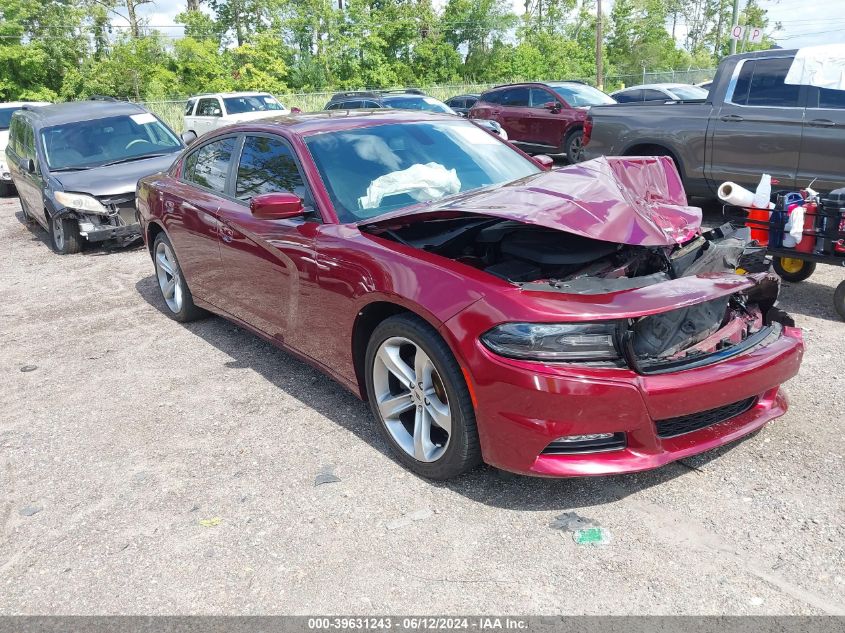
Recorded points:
53,171
132,158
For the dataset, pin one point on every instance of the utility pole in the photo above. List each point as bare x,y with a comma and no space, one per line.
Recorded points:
599,77
734,22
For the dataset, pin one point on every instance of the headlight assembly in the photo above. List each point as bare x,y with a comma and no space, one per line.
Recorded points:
81,202
554,341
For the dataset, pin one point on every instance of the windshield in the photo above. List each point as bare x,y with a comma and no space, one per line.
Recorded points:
252,103
6,117
688,93
418,103
578,95
84,144
371,171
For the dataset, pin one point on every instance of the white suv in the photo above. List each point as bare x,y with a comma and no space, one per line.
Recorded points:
6,111
207,112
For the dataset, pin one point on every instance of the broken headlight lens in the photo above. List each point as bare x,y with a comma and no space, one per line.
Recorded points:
553,341
81,202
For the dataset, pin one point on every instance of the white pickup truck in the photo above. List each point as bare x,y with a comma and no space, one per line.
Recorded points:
207,112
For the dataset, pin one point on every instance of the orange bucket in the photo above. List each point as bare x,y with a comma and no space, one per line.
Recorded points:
758,232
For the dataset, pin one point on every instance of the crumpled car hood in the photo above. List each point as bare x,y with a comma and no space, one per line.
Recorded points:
627,200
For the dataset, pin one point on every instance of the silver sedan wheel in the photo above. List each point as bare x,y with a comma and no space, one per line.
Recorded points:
58,233
412,399
168,277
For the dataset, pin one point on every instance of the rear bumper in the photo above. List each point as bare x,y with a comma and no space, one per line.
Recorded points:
521,407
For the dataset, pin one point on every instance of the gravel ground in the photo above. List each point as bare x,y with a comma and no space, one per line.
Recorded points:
151,467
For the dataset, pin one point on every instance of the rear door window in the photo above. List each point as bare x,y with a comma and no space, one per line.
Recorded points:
208,107
516,98
760,83
629,96
492,97
208,166
834,99
654,95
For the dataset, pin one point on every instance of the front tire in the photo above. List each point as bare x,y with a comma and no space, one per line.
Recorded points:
417,393
793,269
574,146
64,235
171,282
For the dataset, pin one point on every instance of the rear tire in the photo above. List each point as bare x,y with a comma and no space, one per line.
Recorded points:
574,146
64,235
839,299
792,269
171,282
416,389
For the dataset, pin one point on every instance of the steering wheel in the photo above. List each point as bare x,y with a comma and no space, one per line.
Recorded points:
137,140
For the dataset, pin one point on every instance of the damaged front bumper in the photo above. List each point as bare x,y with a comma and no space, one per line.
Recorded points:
659,402
121,223
524,408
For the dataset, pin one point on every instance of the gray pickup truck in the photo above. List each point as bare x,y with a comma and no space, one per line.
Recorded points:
751,122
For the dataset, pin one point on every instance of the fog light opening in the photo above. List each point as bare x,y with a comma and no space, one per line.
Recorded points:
586,443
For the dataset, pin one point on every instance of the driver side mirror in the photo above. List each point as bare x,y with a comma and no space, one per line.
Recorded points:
29,165
554,106
546,162
188,137
282,205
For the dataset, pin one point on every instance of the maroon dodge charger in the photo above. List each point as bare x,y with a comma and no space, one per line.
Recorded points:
563,322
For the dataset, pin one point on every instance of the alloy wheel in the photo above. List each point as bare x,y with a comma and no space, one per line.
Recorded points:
411,399
58,233
576,148
168,277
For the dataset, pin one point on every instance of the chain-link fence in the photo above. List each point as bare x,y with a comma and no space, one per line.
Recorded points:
172,110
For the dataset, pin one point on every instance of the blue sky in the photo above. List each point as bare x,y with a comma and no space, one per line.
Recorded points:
804,22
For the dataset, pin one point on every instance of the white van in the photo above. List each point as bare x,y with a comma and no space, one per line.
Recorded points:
6,110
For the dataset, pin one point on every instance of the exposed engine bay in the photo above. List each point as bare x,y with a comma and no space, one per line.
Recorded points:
542,259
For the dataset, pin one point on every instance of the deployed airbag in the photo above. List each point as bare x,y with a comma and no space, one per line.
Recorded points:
422,182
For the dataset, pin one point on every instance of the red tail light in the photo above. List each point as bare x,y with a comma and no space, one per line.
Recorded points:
588,129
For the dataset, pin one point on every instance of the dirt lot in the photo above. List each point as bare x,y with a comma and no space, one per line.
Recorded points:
151,467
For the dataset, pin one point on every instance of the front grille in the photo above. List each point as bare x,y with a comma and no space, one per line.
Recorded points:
615,443
672,427
122,207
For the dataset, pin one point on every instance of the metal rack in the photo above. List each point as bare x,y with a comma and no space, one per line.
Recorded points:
794,265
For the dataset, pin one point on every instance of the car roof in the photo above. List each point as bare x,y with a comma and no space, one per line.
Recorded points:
547,84
18,104
59,113
664,86
337,120
228,94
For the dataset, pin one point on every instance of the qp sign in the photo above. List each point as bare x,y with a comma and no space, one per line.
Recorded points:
737,32
755,36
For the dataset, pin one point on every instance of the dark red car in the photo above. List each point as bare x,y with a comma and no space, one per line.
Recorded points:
543,118
558,323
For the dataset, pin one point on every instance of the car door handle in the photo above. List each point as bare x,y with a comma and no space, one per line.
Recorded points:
822,123
731,118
